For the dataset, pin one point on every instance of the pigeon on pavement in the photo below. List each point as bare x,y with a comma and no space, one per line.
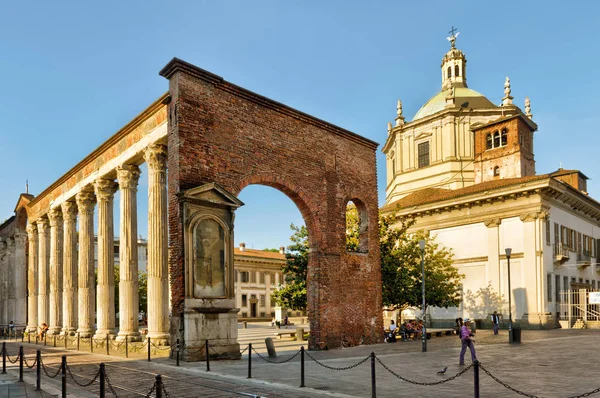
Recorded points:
441,372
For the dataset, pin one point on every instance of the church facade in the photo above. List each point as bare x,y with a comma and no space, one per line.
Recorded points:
464,170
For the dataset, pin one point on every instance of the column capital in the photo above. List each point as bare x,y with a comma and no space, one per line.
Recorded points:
128,176
55,217
20,238
31,230
156,158
105,189
85,201
42,225
69,210
529,216
494,222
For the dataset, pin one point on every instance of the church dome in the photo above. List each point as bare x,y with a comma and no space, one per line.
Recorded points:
461,94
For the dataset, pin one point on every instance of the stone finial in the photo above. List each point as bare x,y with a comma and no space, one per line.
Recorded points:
399,117
389,128
507,100
242,246
282,250
528,108
450,98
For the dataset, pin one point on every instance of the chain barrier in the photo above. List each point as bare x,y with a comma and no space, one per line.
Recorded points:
160,348
46,370
462,372
10,360
82,384
335,368
151,390
165,391
497,380
270,361
27,363
110,386
244,350
116,346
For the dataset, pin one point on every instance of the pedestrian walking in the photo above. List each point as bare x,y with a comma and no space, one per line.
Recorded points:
496,321
466,338
459,324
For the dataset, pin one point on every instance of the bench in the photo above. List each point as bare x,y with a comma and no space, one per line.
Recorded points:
439,332
291,333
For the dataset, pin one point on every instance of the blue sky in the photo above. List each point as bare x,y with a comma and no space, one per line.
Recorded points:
73,73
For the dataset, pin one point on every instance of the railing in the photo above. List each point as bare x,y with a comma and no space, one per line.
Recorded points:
583,258
560,250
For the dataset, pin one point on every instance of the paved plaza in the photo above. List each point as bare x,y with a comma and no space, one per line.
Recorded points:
552,363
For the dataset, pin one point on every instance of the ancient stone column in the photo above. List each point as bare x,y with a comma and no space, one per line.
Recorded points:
3,283
20,279
56,270
128,176
32,279
70,282
43,281
105,190
10,279
86,293
158,267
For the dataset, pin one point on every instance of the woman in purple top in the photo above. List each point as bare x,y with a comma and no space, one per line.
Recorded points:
465,337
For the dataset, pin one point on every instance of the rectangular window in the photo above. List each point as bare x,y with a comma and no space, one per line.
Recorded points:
262,300
253,277
424,154
593,284
262,278
245,276
272,303
262,314
579,242
244,300
548,232
557,288
563,234
587,281
566,283
549,282
581,280
556,233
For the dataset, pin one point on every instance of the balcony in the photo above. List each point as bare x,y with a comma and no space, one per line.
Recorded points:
561,253
583,259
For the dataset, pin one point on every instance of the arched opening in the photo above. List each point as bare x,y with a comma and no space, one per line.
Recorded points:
456,71
357,226
504,137
497,171
449,72
489,144
496,139
270,233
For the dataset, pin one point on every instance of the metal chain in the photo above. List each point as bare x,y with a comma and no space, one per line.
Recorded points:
116,346
46,370
27,364
83,384
270,361
151,390
335,368
586,394
244,350
161,348
462,372
10,360
112,390
165,391
497,380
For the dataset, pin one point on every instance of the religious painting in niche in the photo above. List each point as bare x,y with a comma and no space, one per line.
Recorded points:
209,259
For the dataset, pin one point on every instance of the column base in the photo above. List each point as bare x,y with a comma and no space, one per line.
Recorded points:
218,326
130,336
160,338
68,332
102,334
85,332
31,328
54,331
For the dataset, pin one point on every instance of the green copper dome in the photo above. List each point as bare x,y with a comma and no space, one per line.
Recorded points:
462,94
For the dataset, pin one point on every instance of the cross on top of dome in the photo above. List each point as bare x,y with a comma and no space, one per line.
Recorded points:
452,38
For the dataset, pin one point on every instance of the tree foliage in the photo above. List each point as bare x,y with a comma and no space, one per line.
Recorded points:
293,294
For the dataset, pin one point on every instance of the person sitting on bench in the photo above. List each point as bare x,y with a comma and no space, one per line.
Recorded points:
43,330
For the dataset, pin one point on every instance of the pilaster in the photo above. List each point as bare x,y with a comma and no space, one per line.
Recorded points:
105,190
493,263
86,293
20,317
32,278
56,270
128,176
158,267
10,278
43,280
70,273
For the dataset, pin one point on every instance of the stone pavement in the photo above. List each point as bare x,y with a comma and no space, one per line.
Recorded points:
10,387
553,363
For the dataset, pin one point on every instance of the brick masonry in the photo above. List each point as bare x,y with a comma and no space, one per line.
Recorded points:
222,133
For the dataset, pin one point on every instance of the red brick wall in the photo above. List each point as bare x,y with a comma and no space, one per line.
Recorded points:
221,133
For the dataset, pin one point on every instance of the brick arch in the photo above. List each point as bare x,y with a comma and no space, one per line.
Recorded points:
301,199
219,132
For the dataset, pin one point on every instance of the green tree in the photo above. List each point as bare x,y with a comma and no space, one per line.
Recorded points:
143,289
271,250
401,267
351,228
293,294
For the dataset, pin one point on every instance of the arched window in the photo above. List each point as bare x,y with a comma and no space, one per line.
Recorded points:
489,143
504,138
357,226
496,171
496,139
449,72
456,71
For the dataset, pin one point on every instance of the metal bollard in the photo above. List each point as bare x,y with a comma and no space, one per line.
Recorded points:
54,340
3,358
78,337
66,339
29,338
373,385
149,343
302,366
38,371
92,344
45,338
107,345
476,378
21,364
102,381
126,347
159,386
249,360
177,354
36,339
207,358
63,365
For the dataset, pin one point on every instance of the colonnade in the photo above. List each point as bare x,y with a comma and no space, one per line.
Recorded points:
62,289
13,292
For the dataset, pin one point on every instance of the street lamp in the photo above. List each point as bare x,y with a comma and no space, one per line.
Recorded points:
424,331
510,335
